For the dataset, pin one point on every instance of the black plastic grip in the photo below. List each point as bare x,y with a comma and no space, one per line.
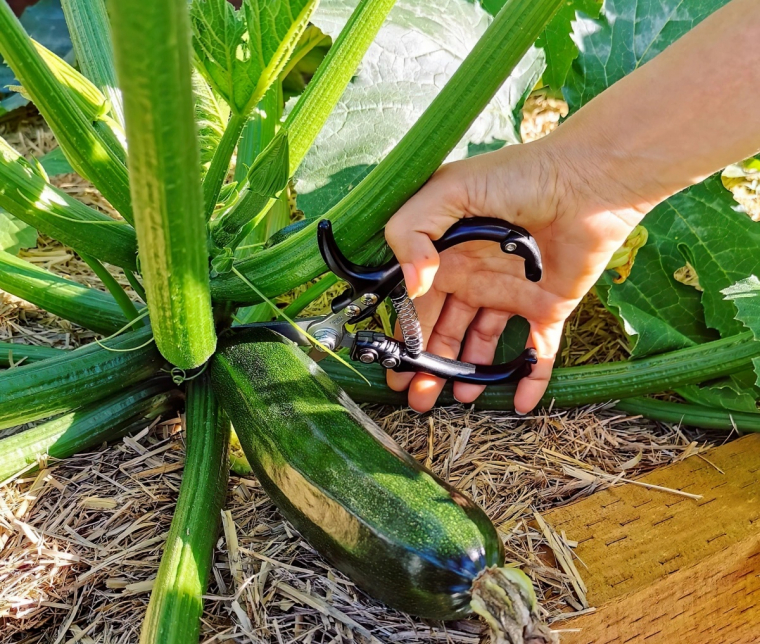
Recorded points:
382,280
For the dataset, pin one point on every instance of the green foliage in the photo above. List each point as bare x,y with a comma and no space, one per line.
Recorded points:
211,115
386,97
242,52
15,234
745,295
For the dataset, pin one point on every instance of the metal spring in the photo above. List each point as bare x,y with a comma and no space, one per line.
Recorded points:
408,321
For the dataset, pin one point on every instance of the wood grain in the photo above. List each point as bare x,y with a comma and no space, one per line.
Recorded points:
660,566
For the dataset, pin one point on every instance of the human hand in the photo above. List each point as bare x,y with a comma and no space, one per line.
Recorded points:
469,292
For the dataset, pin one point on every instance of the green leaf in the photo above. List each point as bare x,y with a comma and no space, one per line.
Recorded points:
558,46
55,163
512,341
15,234
242,52
211,116
745,295
724,394
627,34
416,52
699,226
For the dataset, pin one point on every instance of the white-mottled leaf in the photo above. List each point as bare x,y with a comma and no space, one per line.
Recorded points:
415,53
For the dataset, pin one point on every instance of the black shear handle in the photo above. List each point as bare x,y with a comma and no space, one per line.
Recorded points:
381,280
475,374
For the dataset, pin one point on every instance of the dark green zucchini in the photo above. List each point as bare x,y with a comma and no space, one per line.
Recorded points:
399,532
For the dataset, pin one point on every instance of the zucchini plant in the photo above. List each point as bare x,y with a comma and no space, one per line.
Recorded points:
177,113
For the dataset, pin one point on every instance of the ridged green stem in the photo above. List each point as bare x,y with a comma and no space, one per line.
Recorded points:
323,92
126,305
409,165
75,302
79,377
12,353
91,425
27,196
83,147
176,603
220,163
688,414
572,386
153,61
91,36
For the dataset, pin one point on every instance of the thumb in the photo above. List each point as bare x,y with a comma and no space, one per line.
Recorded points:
425,217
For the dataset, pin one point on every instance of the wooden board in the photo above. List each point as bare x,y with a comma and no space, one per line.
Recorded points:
663,568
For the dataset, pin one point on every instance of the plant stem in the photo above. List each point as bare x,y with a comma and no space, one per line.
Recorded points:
694,415
134,282
114,288
153,60
323,92
76,378
572,386
361,214
26,195
312,293
220,163
176,603
87,427
90,32
70,300
83,147
12,353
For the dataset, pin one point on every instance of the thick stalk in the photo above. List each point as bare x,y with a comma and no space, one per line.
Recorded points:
176,603
58,385
87,427
126,305
310,113
694,415
153,61
220,162
572,386
362,213
91,36
83,146
79,304
27,196
12,353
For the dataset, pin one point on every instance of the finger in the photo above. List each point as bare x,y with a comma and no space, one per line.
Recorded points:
428,309
480,347
545,339
426,216
445,341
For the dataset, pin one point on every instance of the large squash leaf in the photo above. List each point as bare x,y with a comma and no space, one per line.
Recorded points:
558,46
745,295
415,53
242,52
627,34
698,225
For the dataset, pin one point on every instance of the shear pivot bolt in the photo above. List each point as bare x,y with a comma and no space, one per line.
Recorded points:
389,363
368,299
367,357
352,310
511,247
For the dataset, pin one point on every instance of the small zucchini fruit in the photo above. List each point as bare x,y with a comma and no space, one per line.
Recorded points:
399,532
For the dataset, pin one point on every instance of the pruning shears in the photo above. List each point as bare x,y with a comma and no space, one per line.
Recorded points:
369,286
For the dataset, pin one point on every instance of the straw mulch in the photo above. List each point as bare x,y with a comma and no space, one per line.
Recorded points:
81,540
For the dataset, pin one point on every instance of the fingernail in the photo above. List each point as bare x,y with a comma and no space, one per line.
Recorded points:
520,413
411,278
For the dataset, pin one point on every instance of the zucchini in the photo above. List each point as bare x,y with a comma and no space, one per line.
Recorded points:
176,604
572,386
88,307
399,532
154,64
58,385
86,427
